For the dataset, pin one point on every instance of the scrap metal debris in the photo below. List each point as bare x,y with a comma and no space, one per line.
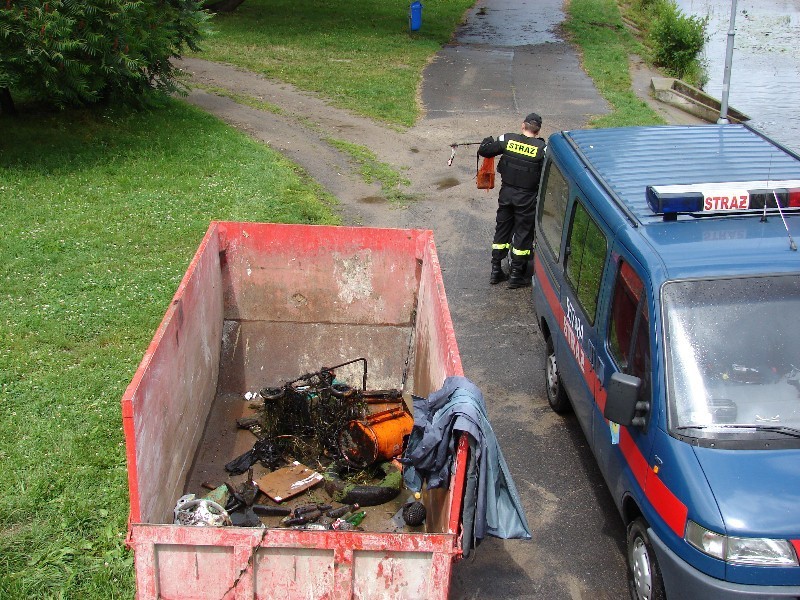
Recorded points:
190,510
380,436
319,420
302,418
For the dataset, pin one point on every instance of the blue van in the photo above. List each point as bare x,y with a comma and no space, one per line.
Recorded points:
667,289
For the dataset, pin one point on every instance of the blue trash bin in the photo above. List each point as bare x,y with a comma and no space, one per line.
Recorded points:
415,16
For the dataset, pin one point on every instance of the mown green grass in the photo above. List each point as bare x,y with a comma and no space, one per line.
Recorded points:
100,215
596,27
361,55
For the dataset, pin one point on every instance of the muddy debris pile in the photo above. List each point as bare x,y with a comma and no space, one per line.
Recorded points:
330,452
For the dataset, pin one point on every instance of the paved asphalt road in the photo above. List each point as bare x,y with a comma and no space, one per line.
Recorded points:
493,74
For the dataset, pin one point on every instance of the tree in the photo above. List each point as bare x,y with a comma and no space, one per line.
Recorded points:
73,52
226,6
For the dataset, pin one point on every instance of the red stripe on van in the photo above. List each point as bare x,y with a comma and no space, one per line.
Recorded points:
634,457
549,293
666,504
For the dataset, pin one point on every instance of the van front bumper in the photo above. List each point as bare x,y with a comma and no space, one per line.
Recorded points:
682,581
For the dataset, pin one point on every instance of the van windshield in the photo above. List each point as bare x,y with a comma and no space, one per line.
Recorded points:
733,355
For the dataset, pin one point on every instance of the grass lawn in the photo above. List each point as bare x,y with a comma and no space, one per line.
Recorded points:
596,27
361,54
100,214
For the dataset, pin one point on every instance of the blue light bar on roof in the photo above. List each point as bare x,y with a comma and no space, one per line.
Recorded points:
665,202
733,196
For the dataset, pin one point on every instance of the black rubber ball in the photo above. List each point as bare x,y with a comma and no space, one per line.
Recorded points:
414,514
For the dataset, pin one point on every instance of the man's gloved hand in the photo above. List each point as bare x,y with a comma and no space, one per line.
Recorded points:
487,140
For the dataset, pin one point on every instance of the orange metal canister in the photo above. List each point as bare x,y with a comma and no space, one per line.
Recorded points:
378,437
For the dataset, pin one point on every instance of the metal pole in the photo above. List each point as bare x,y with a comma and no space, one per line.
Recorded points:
726,79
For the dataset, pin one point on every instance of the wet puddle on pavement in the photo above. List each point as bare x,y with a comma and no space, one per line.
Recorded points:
534,21
447,183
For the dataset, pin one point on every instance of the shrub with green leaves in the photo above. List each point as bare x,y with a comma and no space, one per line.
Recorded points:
677,39
69,52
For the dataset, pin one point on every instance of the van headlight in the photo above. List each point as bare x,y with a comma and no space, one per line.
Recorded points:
741,550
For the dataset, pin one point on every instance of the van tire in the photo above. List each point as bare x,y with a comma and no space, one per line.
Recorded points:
556,396
644,575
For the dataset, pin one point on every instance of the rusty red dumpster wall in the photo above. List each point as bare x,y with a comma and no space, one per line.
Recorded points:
166,404
251,289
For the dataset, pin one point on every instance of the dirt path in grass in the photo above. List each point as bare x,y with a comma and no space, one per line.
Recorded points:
484,83
305,121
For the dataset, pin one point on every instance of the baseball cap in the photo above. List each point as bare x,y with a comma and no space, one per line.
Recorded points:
534,118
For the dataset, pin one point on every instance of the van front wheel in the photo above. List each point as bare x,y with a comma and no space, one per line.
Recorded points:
556,396
644,575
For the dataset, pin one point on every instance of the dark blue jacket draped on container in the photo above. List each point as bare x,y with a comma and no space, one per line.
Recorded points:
491,503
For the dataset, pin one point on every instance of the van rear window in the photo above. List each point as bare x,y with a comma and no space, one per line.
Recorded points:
733,355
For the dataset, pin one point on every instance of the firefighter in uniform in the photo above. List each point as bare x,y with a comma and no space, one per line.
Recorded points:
520,167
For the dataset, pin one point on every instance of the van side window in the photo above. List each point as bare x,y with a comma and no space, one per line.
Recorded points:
585,259
554,208
629,338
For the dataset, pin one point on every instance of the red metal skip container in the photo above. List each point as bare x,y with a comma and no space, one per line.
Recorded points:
259,304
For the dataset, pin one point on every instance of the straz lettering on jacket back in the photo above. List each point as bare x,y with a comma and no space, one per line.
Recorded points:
520,148
573,332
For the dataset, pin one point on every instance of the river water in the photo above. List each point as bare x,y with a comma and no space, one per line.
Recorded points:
765,77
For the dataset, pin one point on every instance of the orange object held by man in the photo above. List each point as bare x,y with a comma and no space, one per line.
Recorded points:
485,176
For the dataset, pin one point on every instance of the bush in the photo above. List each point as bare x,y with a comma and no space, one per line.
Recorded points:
677,39
69,52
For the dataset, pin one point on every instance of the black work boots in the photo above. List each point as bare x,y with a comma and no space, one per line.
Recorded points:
498,274
519,277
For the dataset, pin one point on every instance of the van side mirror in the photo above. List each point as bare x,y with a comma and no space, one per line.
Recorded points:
622,400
